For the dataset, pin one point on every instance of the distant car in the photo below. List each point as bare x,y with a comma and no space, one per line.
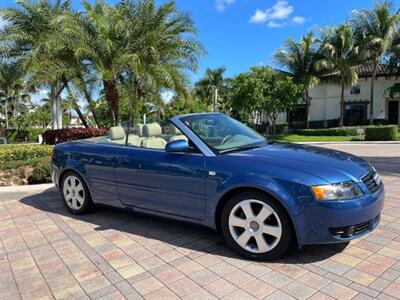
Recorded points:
213,170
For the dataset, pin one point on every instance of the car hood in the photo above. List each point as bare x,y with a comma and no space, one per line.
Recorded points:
330,165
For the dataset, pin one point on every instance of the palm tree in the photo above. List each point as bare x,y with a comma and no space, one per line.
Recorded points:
212,80
11,85
374,31
26,39
299,59
339,56
165,47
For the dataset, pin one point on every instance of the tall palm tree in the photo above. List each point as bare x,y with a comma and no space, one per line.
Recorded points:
374,32
299,59
11,85
213,79
26,36
339,56
165,47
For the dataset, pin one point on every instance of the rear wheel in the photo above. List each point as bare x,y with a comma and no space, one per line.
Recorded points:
256,226
75,193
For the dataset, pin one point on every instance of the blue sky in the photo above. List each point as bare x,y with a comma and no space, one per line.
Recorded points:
239,34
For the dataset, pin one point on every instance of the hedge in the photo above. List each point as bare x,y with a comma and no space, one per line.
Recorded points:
381,133
31,135
56,136
41,172
340,131
23,152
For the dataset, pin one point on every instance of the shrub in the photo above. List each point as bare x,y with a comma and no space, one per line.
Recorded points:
30,135
380,133
40,173
68,134
340,131
23,152
15,164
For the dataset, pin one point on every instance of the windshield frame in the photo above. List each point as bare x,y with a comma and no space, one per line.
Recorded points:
262,141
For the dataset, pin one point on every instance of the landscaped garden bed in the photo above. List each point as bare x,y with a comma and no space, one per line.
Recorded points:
24,164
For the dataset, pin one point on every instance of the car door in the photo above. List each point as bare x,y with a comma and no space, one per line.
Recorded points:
99,161
156,180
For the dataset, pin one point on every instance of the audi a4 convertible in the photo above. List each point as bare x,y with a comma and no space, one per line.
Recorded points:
210,169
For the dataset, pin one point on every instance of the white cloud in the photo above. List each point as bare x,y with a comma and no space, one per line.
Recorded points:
276,15
273,24
258,17
299,20
222,4
281,10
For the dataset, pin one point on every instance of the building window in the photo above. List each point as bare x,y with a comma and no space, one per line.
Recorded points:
355,90
355,113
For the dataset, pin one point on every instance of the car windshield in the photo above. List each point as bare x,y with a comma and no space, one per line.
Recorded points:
222,133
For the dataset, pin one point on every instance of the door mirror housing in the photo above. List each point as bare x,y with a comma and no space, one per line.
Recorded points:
177,146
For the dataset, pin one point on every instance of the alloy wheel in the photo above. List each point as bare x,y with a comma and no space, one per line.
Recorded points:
255,226
74,192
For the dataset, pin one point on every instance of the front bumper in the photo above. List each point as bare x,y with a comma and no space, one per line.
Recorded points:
55,174
338,221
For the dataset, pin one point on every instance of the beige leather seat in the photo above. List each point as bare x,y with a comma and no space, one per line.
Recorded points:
176,135
134,140
138,129
117,135
152,133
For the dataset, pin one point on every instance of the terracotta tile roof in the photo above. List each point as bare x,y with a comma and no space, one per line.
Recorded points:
365,70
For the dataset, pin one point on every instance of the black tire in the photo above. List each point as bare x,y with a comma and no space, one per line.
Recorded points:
87,203
281,245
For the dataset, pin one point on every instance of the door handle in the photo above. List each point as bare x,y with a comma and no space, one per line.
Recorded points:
123,161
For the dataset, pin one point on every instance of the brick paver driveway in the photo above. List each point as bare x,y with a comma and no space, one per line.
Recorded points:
46,252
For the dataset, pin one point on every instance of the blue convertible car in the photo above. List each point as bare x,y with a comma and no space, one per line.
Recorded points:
210,169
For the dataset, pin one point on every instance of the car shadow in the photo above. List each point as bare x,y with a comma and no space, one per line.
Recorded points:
174,233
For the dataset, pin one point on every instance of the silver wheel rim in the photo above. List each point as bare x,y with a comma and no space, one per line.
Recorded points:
255,226
74,193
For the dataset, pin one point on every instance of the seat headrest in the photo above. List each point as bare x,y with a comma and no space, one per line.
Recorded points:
175,131
117,133
153,129
138,128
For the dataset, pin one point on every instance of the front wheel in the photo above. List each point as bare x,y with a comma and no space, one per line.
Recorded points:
256,226
75,193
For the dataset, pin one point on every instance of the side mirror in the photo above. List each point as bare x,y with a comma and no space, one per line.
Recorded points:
177,146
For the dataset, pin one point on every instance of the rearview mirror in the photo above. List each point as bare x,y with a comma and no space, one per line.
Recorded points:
177,146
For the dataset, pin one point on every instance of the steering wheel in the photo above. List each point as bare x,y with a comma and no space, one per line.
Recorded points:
226,139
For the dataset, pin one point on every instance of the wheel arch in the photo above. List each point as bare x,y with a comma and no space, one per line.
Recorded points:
71,169
241,189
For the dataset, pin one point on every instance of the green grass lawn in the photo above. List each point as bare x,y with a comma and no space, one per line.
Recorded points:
303,138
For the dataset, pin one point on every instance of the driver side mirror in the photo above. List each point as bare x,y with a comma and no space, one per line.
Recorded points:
177,146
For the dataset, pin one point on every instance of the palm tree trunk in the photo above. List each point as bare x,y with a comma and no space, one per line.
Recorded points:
307,108
75,105
6,112
89,100
15,109
341,103
56,109
112,99
371,96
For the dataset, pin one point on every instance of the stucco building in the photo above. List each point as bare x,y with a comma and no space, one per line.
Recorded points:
325,102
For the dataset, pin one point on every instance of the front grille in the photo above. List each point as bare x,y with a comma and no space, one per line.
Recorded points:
370,181
349,231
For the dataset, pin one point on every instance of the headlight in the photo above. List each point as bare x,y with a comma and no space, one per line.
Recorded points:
337,191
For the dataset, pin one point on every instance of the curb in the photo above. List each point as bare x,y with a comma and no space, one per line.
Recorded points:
354,143
25,188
